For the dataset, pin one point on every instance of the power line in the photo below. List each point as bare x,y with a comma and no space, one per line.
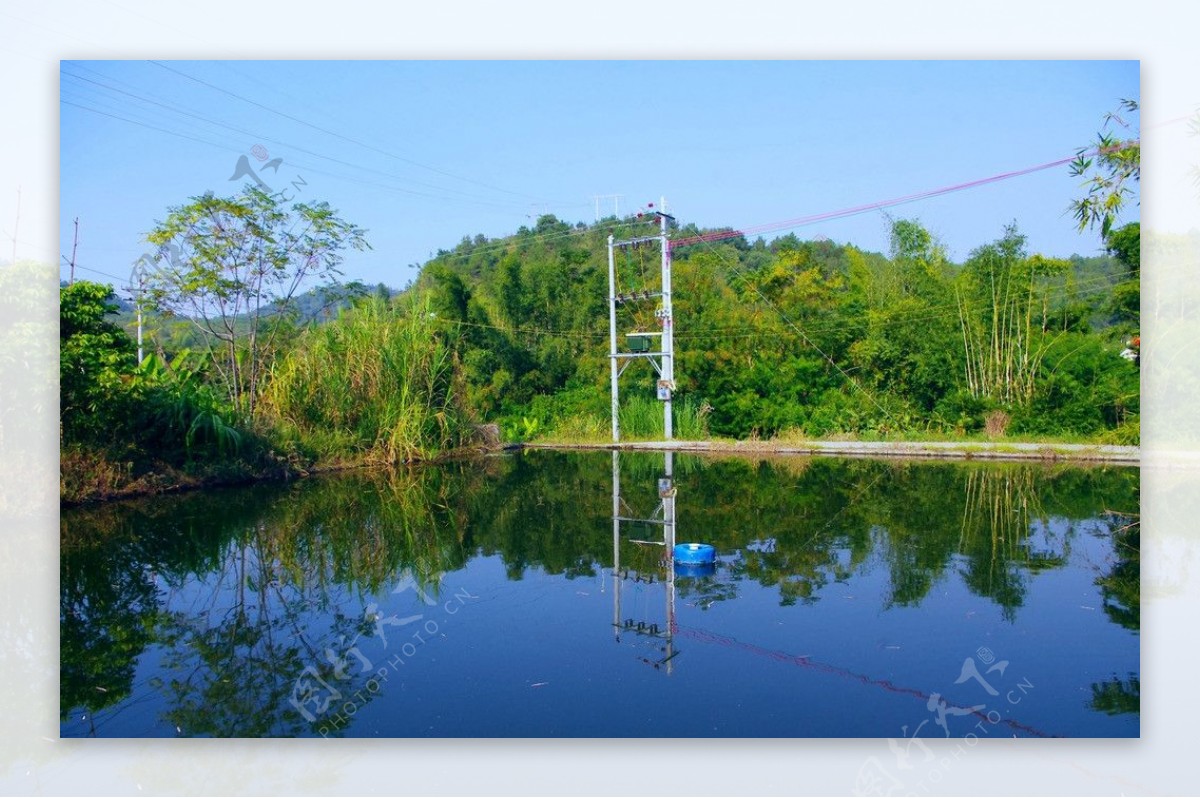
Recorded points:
872,206
97,271
258,136
335,134
300,164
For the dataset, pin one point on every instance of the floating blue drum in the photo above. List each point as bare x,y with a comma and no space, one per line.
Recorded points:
685,569
695,554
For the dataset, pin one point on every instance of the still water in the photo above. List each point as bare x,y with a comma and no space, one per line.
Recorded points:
534,594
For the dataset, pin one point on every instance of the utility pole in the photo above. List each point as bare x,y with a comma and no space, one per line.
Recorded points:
612,340
139,310
74,247
666,385
616,198
139,273
16,227
662,360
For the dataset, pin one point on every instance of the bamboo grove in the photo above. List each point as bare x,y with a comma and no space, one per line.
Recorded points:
808,338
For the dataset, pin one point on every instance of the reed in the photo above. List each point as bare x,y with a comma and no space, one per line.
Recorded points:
378,383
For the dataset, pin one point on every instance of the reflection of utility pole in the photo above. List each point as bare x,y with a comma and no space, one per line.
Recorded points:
666,490
616,486
664,516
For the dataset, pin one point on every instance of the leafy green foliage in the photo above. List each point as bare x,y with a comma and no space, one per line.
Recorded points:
798,335
788,337
232,265
1109,167
156,411
95,361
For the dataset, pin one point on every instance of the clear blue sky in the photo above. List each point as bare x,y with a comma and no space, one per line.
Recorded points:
424,153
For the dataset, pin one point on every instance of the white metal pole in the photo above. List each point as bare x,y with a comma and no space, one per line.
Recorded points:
668,336
612,337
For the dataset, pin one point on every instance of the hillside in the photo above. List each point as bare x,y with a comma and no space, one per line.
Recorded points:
813,336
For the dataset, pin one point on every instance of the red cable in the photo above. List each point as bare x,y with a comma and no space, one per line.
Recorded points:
857,209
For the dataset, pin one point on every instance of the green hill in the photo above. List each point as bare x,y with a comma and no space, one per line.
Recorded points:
814,336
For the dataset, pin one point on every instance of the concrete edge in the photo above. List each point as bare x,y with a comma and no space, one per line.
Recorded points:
1043,452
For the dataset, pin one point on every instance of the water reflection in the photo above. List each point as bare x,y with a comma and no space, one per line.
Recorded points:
653,560
228,613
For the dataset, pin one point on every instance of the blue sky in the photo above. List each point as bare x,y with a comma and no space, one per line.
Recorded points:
424,153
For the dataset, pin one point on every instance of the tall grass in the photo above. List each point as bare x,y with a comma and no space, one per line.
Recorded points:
378,382
641,418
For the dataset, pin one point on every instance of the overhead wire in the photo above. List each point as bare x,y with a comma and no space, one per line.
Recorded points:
507,205
150,99
855,210
337,135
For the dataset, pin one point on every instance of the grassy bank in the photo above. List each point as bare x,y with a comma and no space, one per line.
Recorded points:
377,387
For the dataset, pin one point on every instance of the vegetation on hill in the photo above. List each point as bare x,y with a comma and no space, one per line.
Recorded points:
787,337
799,337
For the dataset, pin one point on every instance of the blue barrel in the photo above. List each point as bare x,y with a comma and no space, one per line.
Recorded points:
694,553
687,569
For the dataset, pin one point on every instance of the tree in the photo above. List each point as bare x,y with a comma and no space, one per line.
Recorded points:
96,356
1000,295
1125,244
1110,167
232,266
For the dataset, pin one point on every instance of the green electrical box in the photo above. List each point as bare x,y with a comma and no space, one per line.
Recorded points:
638,343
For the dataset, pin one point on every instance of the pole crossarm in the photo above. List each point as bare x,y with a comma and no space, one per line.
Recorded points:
642,240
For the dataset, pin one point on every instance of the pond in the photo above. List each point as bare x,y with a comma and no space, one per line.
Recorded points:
535,594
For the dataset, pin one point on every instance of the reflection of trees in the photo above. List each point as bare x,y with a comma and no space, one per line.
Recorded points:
1121,587
1118,696
999,506
111,558
259,584
231,663
108,606
363,529
243,589
705,590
